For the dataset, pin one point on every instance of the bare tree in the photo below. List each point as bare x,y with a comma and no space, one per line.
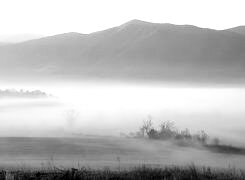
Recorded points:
147,126
167,130
167,125
202,137
71,116
186,134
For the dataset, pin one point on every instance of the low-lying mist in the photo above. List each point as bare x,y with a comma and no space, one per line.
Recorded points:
111,108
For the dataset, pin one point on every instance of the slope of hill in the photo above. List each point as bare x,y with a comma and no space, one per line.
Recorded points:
135,50
18,38
239,30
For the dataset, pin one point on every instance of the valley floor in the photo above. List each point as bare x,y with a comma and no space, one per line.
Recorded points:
100,152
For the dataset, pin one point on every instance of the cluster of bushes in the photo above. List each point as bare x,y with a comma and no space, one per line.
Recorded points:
22,93
141,173
168,131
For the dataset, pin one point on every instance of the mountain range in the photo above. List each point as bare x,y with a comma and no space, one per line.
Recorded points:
136,50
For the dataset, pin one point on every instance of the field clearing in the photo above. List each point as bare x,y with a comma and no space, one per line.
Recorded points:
101,152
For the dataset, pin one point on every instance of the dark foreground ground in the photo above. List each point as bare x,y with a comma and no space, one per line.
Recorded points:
141,173
112,158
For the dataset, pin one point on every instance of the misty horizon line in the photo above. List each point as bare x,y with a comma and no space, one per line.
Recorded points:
24,37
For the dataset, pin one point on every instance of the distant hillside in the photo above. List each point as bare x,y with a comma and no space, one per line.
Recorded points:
136,50
240,30
18,38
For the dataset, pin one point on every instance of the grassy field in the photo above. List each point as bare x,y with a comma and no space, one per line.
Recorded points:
111,152
142,173
96,157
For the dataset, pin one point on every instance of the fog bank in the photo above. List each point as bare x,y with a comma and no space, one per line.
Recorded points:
110,108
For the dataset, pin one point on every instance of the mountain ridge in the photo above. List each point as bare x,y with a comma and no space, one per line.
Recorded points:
134,50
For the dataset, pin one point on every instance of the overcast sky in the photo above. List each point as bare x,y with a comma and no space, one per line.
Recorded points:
48,17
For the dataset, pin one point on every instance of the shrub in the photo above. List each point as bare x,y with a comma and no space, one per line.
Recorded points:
168,131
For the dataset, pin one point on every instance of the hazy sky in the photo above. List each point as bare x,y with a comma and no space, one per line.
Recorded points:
48,17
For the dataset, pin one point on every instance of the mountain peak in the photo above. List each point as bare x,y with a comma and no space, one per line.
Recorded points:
136,22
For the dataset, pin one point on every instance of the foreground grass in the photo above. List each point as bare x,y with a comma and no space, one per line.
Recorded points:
142,173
